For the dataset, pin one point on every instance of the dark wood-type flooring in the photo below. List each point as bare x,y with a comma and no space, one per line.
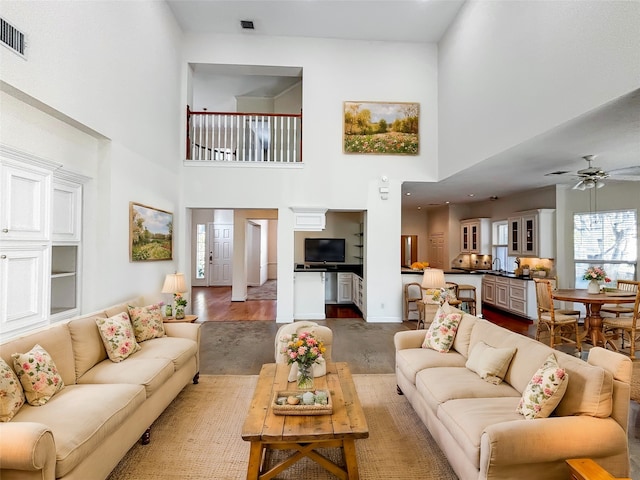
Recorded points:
213,304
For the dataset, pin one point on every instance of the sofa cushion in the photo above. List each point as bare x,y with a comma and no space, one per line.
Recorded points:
545,390
150,372
178,350
38,375
123,307
410,361
467,418
88,347
56,340
11,392
94,411
589,390
463,335
440,384
147,322
442,330
490,363
117,336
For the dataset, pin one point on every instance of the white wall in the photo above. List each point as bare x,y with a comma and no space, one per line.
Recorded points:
509,71
334,71
97,65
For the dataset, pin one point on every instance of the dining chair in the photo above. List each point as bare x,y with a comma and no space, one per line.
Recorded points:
412,295
624,325
627,286
563,311
558,324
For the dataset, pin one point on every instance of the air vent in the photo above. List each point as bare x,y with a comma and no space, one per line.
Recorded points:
247,24
11,37
559,172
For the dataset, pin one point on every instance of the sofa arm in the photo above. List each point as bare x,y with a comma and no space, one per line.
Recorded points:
27,446
409,339
550,439
183,330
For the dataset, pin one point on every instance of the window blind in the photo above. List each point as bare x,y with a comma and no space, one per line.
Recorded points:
605,236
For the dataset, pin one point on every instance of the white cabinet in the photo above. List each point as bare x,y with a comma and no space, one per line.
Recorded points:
345,287
23,288
502,293
67,210
309,219
308,295
513,295
532,233
475,236
25,200
357,291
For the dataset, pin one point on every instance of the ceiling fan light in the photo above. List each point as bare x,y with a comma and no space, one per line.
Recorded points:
579,186
600,184
589,183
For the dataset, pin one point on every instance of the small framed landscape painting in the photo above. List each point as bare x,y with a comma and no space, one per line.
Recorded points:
150,233
381,128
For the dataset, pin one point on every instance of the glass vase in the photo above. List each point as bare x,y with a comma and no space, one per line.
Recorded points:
179,312
305,376
593,287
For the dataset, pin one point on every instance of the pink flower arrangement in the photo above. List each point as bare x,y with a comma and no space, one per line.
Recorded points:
596,273
302,348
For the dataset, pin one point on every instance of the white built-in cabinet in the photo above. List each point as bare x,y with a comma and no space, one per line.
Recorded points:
475,236
40,242
345,284
514,295
532,233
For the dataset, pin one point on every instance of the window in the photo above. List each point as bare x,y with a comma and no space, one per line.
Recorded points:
201,239
608,240
500,244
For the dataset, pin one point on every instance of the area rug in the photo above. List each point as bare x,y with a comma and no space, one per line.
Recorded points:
198,437
266,291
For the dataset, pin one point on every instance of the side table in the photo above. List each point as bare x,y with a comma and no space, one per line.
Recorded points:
186,319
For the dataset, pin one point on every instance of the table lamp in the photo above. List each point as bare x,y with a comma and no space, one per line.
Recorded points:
173,283
433,278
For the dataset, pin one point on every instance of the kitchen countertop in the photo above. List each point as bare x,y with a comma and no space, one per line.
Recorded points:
346,267
460,271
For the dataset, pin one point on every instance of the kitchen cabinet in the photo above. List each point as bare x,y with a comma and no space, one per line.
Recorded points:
345,287
513,295
532,233
357,291
475,236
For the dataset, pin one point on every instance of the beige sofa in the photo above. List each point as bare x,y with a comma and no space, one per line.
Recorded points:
104,408
476,424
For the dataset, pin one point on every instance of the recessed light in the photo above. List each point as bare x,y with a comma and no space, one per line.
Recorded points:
247,24
408,194
447,202
472,194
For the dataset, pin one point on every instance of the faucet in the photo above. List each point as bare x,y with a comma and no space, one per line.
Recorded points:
497,259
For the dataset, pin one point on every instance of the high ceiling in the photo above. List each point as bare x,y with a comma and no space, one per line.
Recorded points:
612,132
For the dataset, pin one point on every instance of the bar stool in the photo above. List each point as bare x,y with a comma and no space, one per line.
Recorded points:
467,295
412,295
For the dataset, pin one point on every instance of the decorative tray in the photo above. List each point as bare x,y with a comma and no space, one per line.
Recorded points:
281,405
619,293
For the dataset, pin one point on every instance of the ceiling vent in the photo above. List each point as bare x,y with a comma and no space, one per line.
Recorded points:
11,37
247,24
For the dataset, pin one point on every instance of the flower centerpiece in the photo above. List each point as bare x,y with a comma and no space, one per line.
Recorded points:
595,275
181,304
304,350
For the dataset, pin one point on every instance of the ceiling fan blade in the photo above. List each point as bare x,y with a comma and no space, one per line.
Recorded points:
627,171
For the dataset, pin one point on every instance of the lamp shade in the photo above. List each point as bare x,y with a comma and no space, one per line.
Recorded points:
433,278
174,283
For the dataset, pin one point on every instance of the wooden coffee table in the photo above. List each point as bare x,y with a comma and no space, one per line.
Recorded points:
304,433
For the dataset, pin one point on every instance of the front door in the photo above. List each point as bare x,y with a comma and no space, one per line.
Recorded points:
220,238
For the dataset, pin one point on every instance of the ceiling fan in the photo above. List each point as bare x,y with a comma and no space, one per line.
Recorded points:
592,177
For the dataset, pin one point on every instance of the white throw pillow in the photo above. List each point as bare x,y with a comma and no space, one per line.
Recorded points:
442,330
490,363
544,391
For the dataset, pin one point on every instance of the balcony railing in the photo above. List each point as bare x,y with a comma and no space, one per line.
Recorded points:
244,137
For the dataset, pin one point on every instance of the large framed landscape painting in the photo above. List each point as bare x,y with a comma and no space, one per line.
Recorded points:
381,128
150,233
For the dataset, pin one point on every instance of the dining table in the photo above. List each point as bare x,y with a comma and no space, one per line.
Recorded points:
593,303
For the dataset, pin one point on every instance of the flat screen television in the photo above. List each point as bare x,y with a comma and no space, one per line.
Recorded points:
324,249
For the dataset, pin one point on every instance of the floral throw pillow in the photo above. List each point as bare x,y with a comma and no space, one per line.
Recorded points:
147,322
11,393
442,330
433,296
117,336
544,391
38,375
